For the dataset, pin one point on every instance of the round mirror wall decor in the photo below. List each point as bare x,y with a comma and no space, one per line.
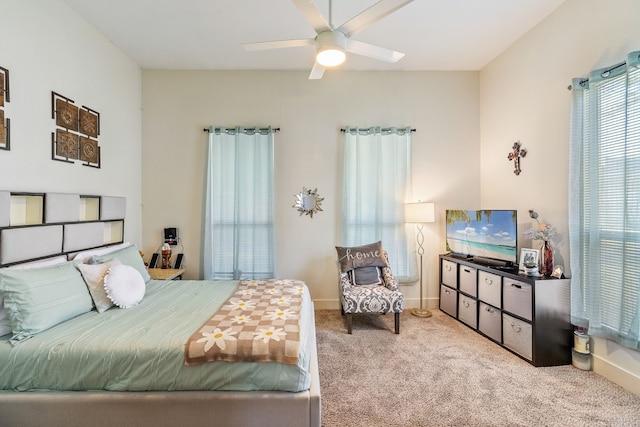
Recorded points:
308,202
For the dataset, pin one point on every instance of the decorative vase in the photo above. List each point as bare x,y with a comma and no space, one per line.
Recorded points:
166,256
547,259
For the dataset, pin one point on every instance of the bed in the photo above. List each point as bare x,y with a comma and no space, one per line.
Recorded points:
62,364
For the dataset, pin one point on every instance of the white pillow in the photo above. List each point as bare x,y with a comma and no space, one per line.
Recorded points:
60,259
93,275
85,256
124,286
5,325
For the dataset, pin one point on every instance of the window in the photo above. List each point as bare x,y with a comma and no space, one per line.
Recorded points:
239,231
604,209
376,185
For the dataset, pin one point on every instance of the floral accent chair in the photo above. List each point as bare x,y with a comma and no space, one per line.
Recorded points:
366,284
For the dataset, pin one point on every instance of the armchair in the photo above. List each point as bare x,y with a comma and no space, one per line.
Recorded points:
366,283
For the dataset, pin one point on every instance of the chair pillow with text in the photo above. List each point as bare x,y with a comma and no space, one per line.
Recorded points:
371,255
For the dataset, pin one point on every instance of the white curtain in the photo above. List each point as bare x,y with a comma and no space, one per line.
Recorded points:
604,205
238,229
376,185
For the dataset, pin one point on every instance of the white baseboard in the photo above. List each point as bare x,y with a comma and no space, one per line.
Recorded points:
617,374
326,304
408,303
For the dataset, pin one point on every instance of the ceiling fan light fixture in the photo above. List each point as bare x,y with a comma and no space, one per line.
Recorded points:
330,47
330,57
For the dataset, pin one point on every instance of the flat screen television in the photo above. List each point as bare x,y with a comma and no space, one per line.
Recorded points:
483,234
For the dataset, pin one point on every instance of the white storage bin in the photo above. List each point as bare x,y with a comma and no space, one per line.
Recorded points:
489,288
468,280
490,321
516,298
450,274
448,300
516,335
468,310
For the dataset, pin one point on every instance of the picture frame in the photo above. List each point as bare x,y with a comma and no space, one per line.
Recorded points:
528,254
558,272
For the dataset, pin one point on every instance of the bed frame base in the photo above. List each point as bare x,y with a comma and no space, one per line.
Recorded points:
194,409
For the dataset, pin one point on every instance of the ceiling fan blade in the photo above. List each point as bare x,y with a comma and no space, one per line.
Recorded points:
313,15
316,72
278,44
372,51
371,15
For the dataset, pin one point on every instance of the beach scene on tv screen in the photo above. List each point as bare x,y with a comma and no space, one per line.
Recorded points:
489,233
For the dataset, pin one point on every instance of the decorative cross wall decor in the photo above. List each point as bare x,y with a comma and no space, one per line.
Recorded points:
515,155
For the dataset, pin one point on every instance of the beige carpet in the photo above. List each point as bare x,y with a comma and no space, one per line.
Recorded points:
438,372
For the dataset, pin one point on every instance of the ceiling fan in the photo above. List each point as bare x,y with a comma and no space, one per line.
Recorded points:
332,43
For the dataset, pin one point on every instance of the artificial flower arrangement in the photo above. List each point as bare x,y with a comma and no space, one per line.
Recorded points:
542,231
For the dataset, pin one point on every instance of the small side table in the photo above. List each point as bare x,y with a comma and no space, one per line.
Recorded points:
166,273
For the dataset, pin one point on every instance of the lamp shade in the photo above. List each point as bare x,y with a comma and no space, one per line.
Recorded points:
419,212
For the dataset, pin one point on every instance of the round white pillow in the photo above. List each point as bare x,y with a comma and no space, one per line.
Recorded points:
124,285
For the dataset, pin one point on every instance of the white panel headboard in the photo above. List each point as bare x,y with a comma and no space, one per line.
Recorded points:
112,207
39,225
61,208
24,243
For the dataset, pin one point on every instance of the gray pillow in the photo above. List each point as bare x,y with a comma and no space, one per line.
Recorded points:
371,255
366,276
127,256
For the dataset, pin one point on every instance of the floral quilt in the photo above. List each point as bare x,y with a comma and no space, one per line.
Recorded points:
260,322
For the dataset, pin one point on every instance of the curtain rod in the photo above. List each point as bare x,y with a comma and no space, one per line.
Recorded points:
605,73
381,129
261,129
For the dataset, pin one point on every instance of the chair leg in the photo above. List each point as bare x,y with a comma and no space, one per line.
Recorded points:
349,323
397,322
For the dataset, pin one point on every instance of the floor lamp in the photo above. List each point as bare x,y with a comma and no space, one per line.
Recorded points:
419,214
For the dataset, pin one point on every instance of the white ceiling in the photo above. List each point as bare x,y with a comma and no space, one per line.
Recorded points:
207,34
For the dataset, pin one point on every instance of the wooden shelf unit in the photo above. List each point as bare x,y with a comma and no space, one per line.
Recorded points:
529,316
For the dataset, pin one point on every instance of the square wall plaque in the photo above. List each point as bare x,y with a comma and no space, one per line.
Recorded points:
66,144
88,150
89,123
66,115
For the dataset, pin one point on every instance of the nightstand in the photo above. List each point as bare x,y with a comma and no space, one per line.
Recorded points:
166,273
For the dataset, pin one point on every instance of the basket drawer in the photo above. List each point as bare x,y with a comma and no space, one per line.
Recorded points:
516,298
468,280
448,300
468,310
490,321
489,288
517,336
450,274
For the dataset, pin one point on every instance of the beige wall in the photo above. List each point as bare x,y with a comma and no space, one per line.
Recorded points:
178,105
47,47
466,123
524,97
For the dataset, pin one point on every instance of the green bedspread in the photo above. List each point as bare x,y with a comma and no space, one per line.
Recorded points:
142,348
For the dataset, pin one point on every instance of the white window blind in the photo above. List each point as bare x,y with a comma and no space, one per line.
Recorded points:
604,206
